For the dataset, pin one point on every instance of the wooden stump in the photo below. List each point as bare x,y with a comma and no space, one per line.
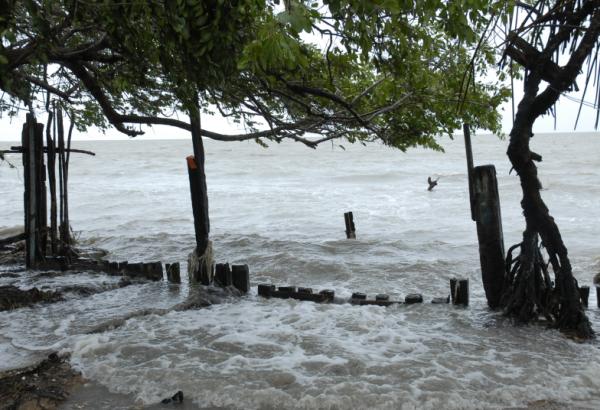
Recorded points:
241,277
356,296
328,295
284,292
153,270
459,291
265,290
223,275
350,228
173,272
200,269
413,298
584,292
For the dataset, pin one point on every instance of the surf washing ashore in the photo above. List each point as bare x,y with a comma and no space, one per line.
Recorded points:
280,210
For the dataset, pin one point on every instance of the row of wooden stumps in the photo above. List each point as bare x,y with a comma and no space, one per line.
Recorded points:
225,275
459,295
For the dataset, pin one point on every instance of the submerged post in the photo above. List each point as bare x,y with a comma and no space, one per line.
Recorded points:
489,232
350,228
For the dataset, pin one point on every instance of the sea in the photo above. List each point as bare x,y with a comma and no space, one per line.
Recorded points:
280,210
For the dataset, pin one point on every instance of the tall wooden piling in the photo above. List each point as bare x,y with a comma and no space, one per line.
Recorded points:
485,211
469,153
350,228
486,208
51,146
35,192
200,270
63,174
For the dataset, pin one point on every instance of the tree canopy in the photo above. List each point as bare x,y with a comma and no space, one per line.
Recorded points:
360,70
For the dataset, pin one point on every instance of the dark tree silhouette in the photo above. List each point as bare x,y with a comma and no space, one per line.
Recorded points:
568,30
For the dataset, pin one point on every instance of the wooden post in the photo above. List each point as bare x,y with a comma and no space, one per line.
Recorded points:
35,192
265,290
350,228
51,146
63,227
42,218
240,275
28,143
469,152
67,158
200,268
584,292
173,272
223,275
459,291
328,294
453,283
413,298
489,232
358,296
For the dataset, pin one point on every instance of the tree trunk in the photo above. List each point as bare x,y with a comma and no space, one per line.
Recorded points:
529,291
526,297
200,261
